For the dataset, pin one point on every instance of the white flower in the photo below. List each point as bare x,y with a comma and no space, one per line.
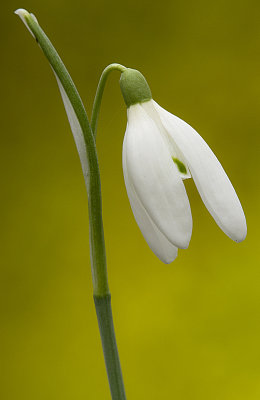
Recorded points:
159,151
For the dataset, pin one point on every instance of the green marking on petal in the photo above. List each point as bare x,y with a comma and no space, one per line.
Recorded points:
180,165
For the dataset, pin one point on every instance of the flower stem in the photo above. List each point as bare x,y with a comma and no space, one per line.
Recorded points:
97,243
107,333
99,93
103,303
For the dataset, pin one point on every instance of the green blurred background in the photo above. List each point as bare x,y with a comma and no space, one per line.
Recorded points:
186,331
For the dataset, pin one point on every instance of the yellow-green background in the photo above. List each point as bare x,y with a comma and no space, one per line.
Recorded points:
186,331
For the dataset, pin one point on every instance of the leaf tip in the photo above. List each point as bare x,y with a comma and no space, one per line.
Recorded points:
22,13
25,16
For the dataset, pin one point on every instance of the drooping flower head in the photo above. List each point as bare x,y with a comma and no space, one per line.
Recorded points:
159,152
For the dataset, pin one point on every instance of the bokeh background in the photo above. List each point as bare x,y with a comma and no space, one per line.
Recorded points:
186,331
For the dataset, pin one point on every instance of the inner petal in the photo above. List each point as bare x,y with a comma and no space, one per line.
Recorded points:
177,156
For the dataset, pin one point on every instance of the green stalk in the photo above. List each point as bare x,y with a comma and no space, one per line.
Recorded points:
103,303
107,333
99,93
97,243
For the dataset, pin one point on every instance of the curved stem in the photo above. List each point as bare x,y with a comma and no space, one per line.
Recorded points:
98,254
99,93
103,304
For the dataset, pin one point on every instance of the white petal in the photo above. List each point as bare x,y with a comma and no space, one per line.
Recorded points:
155,178
157,242
76,129
209,176
177,156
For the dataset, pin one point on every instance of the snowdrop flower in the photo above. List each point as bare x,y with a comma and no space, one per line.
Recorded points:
159,152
